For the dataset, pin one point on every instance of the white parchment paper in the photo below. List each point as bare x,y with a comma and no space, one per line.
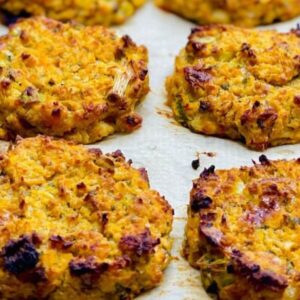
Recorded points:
166,150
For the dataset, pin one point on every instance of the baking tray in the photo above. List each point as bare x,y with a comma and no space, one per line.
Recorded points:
167,149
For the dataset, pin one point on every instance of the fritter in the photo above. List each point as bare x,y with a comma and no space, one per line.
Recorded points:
246,13
78,224
242,84
89,12
243,231
67,80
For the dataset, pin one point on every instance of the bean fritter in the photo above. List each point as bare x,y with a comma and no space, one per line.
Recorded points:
246,13
89,12
71,81
78,224
243,231
242,84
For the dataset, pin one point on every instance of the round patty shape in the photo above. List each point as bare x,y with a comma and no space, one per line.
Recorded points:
89,12
67,80
242,84
246,13
78,224
243,231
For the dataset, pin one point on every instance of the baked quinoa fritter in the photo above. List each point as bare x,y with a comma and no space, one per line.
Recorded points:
78,224
243,231
238,83
246,13
67,80
89,12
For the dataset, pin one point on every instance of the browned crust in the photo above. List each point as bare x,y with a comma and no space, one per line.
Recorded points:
253,272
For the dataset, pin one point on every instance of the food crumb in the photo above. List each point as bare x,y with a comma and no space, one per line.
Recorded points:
165,113
196,164
209,154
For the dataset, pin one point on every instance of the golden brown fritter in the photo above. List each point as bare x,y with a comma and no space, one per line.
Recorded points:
246,13
67,80
89,12
243,231
238,83
78,224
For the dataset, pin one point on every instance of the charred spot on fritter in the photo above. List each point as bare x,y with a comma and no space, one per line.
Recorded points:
204,27
246,116
96,151
197,46
271,199
5,83
197,76
88,270
81,189
81,186
51,82
133,121
56,113
249,53
143,74
140,244
22,204
204,106
255,105
207,218
114,97
128,42
82,266
211,234
130,122
200,201
297,100
104,218
58,242
36,239
144,174
35,276
296,30
118,154
25,56
121,262
29,91
271,190
20,255
207,172
119,53
267,118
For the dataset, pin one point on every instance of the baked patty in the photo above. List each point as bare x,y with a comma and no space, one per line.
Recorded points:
246,13
78,224
243,231
89,12
68,80
242,84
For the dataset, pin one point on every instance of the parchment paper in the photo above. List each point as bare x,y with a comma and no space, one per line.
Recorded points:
167,149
